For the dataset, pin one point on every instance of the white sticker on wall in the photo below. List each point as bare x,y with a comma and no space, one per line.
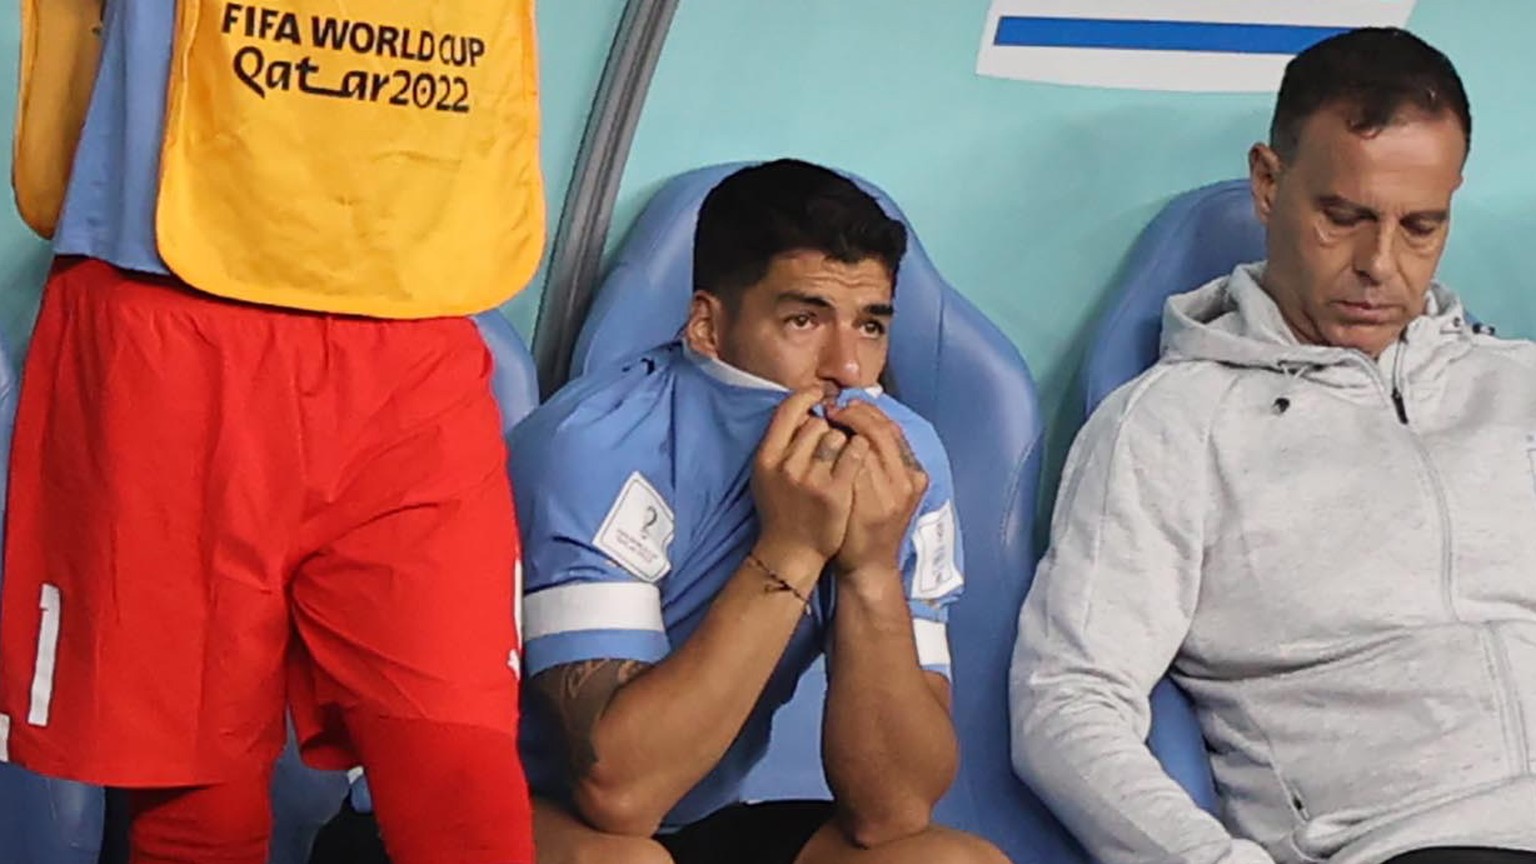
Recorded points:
1232,46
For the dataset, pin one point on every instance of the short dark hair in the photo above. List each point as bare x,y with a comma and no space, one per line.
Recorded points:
1377,74
787,205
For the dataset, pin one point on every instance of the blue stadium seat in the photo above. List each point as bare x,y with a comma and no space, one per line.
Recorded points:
956,369
515,383
514,379
303,800
1199,236
42,820
47,821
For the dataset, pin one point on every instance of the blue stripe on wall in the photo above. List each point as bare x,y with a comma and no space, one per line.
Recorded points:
1159,35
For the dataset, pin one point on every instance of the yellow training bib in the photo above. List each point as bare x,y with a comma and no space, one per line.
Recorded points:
60,47
367,157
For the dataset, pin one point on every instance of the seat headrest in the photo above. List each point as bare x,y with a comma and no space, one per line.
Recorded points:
514,378
935,334
1199,236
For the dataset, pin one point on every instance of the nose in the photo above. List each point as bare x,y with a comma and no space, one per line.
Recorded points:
840,358
1374,254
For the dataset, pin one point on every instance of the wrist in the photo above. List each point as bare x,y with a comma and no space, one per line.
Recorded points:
796,563
871,580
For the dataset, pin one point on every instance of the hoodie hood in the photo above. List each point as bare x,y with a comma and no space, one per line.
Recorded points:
1234,321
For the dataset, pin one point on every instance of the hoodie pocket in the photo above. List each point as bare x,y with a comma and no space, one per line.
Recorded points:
1296,847
1383,729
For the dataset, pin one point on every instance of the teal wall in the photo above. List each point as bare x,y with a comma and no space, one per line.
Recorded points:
1027,196
574,36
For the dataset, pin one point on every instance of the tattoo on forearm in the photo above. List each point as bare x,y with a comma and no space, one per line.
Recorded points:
578,693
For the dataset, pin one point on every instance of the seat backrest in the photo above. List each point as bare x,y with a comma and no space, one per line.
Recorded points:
514,378
1199,236
48,821
952,366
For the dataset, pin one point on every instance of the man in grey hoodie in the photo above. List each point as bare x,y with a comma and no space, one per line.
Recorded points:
1320,508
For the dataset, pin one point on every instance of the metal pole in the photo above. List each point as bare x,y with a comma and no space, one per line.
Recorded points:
576,253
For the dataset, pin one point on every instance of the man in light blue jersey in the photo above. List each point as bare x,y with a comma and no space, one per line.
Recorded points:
703,522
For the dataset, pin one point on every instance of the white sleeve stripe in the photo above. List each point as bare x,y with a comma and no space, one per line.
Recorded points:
932,642
592,606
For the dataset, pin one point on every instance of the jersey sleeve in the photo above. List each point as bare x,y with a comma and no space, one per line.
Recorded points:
597,531
933,556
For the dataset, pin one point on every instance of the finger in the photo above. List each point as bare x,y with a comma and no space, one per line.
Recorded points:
788,418
910,461
873,486
851,460
885,438
827,449
904,451
802,446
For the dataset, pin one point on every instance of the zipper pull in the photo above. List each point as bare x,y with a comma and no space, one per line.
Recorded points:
1397,402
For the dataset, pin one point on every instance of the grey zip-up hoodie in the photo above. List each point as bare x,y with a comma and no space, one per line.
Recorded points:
1338,558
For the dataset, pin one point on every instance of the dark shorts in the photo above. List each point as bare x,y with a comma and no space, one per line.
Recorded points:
1465,855
772,832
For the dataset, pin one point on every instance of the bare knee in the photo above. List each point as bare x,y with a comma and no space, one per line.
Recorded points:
934,845
958,847
561,838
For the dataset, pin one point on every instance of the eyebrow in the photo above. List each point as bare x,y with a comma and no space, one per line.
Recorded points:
1327,201
874,310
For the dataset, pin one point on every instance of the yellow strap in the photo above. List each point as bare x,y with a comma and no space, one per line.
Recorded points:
60,49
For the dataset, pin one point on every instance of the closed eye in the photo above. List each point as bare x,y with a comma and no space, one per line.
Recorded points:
1343,218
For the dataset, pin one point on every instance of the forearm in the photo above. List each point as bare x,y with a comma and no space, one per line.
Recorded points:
1080,752
664,731
889,744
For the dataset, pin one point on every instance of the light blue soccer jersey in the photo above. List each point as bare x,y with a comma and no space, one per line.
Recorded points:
635,510
109,208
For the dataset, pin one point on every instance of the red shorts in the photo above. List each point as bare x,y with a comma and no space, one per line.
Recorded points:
219,509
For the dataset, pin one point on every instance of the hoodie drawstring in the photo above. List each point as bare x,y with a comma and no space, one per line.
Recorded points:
1293,372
